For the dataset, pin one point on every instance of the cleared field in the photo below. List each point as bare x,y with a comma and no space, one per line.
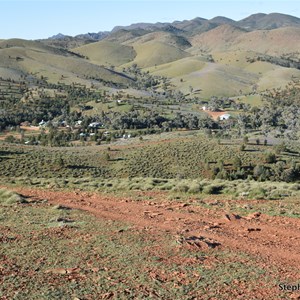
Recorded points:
253,100
106,107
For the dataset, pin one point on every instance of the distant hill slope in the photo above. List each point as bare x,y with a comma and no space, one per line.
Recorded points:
227,37
270,21
124,35
198,25
107,53
186,28
219,38
26,57
156,53
277,41
219,56
163,37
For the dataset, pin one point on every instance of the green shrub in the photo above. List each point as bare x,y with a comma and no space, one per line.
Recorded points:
277,194
182,188
9,198
295,187
194,188
270,158
213,189
258,193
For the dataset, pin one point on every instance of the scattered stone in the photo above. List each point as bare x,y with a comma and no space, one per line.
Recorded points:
107,295
253,229
95,270
64,220
244,194
231,217
294,296
57,271
214,226
254,215
152,214
61,207
73,270
201,242
247,206
63,271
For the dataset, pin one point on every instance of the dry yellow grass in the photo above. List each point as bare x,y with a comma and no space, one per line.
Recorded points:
274,42
218,39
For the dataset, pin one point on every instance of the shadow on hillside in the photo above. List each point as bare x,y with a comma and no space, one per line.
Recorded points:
8,153
73,167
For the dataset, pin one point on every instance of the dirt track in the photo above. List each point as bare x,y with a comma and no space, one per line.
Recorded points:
274,240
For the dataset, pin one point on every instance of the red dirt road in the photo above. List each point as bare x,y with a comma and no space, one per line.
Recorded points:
274,240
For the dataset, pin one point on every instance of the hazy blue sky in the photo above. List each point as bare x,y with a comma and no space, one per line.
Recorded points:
44,18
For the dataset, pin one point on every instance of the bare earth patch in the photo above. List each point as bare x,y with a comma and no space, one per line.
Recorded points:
273,242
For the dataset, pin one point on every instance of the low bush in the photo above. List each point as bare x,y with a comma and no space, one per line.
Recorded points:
258,193
10,198
213,189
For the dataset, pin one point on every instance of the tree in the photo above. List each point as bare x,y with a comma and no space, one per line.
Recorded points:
259,172
107,156
246,140
280,148
237,163
270,158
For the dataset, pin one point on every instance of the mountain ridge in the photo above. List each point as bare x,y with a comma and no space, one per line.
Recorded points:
258,21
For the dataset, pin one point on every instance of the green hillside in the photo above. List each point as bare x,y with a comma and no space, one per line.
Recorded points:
107,53
27,57
154,53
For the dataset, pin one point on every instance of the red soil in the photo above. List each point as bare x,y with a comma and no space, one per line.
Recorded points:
276,239
273,241
215,114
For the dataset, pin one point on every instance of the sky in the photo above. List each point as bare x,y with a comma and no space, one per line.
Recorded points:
38,19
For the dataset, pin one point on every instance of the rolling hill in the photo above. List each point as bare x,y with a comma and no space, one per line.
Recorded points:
32,57
268,21
107,53
219,56
156,53
220,38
